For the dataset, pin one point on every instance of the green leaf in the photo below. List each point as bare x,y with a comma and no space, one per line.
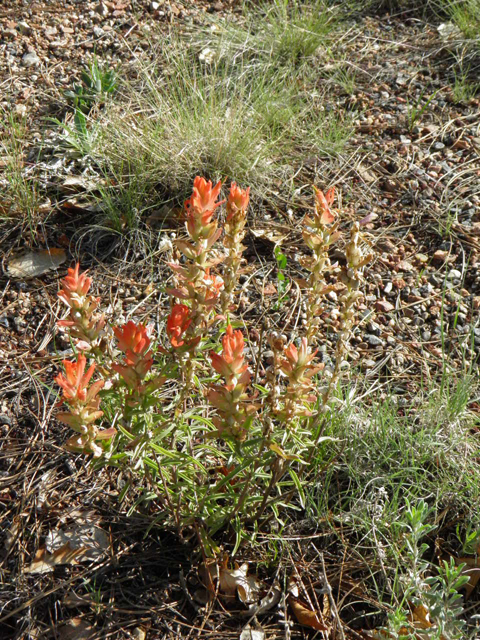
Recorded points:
80,122
298,485
87,79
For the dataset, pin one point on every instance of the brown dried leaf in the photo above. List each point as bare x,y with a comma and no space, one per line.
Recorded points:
269,289
420,617
76,629
269,235
230,581
35,263
266,603
92,541
45,561
306,616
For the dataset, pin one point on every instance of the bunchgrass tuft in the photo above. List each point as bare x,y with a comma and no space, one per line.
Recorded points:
390,450
216,113
466,15
20,193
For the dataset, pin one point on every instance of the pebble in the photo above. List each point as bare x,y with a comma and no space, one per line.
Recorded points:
438,146
383,305
425,290
454,274
404,265
368,364
374,328
388,287
373,341
434,279
422,257
30,60
24,28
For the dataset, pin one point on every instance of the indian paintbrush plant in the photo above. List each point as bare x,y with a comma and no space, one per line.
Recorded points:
215,447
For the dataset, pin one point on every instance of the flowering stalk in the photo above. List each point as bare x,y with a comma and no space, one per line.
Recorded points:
318,236
237,204
134,341
85,326
197,285
352,278
296,365
83,404
234,414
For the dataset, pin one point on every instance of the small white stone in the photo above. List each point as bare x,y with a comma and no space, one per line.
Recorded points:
30,60
207,56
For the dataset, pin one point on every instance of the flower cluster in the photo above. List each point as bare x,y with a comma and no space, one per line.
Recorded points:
200,208
178,322
85,326
296,365
234,413
134,341
83,404
196,285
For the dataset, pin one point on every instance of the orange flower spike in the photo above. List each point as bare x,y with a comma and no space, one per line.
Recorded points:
75,287
200,208
204,196
237,200
297,363
178,322
231,362
322,205
132,338
233,344
74,383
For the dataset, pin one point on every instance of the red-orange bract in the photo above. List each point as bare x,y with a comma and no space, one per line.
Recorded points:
75,287
231,363
200,207
178,322
297,361
204,196
74,383
322,205
237,200
133,340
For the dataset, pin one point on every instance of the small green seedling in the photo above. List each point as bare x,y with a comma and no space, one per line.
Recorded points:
282,279
417,110
97,83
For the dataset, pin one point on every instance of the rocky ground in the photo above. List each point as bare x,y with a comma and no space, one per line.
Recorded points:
415,170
